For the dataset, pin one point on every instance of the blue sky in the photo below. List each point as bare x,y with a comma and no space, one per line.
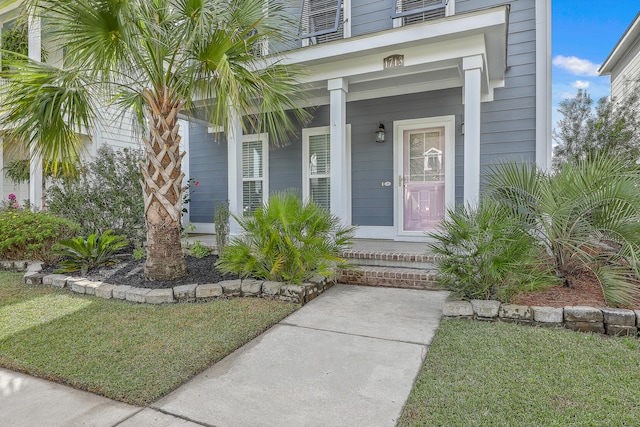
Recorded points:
583,34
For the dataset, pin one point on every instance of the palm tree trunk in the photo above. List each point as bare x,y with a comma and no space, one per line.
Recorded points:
162,188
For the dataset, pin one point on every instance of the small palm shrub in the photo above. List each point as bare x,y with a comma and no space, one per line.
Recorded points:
288,241
31,235
486,255
587,216
94,251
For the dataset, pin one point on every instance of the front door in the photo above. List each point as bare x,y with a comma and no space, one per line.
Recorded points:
423,165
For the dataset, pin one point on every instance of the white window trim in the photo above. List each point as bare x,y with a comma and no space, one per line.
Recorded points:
321,130
448,122
449,10
264,138
346,24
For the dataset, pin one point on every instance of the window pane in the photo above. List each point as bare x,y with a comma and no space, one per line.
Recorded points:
417,5
319,155
319,20
321,192
251,196
252,159
426,156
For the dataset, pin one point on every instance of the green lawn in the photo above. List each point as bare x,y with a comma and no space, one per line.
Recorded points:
131,352
500,374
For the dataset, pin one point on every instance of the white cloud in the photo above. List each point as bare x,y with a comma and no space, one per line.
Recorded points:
581,84
577,66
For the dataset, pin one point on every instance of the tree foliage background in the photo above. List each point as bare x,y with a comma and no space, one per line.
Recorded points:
611,128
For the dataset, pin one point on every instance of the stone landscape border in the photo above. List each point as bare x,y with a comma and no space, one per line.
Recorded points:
610,321
300,294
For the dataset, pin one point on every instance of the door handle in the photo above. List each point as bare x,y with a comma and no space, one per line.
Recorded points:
400,180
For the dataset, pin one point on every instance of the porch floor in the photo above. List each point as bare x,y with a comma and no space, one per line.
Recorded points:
360,246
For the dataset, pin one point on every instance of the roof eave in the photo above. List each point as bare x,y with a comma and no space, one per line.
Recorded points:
626,41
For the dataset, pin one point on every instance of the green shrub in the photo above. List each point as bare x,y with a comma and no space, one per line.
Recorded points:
139,253
28,235
106,196
487,255
288,241
198,250
85,254
586,215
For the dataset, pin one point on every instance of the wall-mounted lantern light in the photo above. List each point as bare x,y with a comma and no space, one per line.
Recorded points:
380,133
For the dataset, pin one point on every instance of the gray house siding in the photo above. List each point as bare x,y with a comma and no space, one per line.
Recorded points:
285,164
508,125
208,166
509,121
370,16
372,163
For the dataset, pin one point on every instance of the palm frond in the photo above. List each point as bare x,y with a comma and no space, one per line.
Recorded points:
46,108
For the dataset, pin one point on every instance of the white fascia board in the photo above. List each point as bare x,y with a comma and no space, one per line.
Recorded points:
628,39
413,56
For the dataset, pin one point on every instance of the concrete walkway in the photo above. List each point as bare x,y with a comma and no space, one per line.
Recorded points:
348,358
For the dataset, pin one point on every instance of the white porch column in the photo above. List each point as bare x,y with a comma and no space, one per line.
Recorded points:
234,162
340,178
2,177
183,131
543,84
35,168
472,66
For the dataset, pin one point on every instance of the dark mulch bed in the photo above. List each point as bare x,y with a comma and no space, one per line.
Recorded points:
584,290
131,272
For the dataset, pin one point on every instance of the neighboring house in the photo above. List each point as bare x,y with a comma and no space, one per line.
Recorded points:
118,136
623,63
457,85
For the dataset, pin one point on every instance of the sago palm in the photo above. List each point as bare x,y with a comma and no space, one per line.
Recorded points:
587,215
157,59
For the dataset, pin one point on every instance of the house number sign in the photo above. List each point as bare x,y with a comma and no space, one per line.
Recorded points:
394,61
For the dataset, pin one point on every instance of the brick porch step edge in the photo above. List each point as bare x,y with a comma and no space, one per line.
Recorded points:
393,277
389,256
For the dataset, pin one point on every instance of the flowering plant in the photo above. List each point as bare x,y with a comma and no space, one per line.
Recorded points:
12,203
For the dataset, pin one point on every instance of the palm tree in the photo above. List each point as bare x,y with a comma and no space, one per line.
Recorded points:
586,216
157,59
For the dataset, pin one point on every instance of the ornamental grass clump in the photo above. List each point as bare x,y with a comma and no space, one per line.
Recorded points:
486,255
287,240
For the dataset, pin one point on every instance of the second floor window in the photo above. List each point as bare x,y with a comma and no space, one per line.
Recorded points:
321,21
414,11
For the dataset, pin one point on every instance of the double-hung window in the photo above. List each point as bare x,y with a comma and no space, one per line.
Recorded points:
316,152
255,172
321,21
406,12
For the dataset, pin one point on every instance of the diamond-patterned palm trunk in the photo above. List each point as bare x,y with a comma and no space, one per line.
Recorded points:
162,188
